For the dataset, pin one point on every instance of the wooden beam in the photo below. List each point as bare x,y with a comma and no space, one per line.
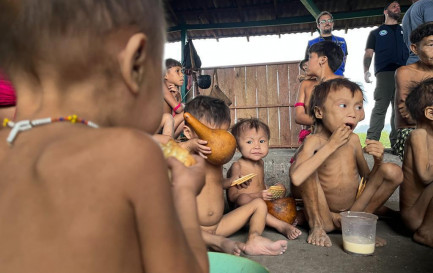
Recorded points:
311,7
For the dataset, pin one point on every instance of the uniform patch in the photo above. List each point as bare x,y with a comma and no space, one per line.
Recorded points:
383,32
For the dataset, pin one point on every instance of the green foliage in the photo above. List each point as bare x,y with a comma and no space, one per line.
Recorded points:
384,139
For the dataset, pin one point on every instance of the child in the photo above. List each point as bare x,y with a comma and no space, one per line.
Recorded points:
173,80
422,41
416,192
252,137
215,114
326,187
91,195
325,58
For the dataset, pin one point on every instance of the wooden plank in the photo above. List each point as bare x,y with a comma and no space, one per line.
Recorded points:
238,90
293,82
294,129
262,93
250,91
272,98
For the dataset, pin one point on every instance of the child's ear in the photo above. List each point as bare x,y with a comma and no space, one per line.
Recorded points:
414,49
187,131
323,60
132,59
318,113
428,112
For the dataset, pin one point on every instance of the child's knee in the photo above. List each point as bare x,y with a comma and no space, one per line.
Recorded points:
392,173
259,204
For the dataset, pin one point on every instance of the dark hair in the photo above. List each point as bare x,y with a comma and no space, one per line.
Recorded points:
301,64
323,13
35,31
387,3
421,32
249,123
420,96
211,110
331,50
321,91
169,63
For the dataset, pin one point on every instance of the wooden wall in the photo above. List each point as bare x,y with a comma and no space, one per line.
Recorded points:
264,91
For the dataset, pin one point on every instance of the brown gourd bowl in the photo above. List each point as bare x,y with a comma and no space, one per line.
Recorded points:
283,209
221,142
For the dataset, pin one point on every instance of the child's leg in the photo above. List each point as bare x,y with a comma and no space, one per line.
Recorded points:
381,184
167,123
419,217
255,211
284,228
320,218
223,244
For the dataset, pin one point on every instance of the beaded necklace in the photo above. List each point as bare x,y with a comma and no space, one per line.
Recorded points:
25,125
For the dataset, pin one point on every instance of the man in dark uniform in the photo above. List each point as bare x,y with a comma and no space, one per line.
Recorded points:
325,25
391,52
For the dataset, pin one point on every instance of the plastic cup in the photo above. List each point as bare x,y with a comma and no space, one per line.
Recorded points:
359,232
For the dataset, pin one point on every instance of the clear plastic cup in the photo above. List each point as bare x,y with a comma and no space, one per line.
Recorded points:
359,232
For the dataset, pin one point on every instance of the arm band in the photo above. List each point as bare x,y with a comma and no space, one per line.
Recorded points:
177,107
299,104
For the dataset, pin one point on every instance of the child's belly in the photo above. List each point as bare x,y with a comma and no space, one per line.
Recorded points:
210,206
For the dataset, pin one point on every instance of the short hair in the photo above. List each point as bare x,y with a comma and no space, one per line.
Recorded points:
421,32
420,96
301,64
169,63
331,50
249,123
211,110
321,91
35,31
323,13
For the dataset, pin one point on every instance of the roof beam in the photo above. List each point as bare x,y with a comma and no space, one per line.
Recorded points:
281,21
311,7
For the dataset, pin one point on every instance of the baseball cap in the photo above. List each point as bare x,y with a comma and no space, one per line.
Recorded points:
389,3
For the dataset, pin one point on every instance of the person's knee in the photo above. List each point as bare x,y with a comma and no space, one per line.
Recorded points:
259,204
393,173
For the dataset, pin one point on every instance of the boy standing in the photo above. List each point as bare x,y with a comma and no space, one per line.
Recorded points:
215,114
416,192
325,58
326,188
75,196
422,41
252,137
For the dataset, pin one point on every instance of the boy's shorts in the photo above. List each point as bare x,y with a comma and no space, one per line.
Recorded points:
398,147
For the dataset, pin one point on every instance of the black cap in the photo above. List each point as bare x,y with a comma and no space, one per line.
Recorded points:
389,3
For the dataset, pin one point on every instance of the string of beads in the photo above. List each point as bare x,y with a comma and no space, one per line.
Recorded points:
24,125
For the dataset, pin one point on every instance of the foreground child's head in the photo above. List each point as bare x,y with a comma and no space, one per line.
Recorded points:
212,112
322,53
419,102
252,137
422,42
117,46
173,72
336,102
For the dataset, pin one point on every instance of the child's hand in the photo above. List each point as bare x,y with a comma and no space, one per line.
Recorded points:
340,136
267,195
374,148
172,88
199,146
189,178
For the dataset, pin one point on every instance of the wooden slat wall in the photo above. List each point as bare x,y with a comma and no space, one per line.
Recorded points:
264,91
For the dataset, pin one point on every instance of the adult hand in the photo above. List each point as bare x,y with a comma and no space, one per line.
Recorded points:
367,76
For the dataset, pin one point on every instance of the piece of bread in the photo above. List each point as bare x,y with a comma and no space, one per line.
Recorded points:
171,148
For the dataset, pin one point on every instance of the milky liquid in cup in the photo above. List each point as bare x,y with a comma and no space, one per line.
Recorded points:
358,245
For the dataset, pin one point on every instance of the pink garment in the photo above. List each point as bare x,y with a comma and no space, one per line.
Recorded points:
7,92
303,134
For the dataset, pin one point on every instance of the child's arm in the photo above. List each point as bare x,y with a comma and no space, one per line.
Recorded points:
171,100
376,149
308,160
198,146
402,89
300,110
361,163
418,140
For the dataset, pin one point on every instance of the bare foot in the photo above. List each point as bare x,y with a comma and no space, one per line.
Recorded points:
291,232
259,245
232,247
425,238
318,237
380,242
